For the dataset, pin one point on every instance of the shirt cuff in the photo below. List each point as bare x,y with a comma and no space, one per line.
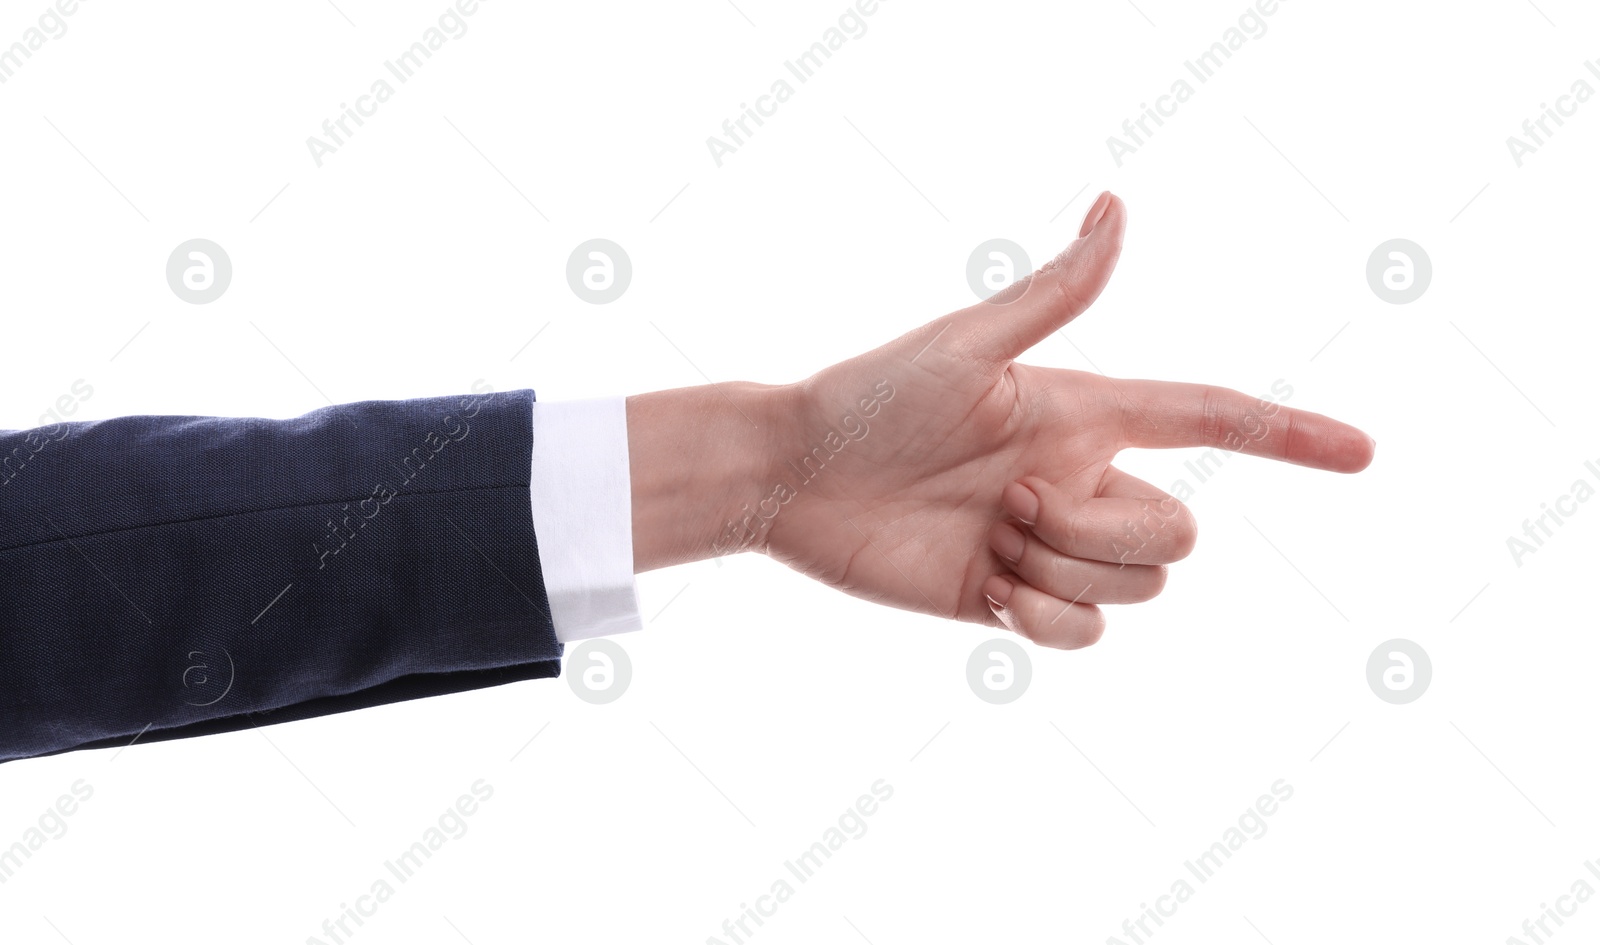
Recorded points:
583,516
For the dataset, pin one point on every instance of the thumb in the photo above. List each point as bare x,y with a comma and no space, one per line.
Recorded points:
1025,313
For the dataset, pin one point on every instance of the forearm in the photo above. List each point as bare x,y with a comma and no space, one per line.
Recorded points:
357,555
697,457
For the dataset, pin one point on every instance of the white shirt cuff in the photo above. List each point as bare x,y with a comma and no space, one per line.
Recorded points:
583,516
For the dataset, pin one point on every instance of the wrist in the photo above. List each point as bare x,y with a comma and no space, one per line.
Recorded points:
696,458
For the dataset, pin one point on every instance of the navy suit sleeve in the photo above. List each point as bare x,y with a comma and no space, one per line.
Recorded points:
170,576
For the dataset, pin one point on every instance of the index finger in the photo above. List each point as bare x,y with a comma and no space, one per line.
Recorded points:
1166,415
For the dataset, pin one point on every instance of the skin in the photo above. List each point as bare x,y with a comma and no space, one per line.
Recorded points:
983,489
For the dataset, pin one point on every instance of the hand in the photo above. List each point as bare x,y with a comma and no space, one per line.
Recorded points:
939,475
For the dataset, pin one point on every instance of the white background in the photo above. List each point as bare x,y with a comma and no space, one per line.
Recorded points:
425,253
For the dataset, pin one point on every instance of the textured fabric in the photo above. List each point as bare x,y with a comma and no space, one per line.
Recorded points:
182,576
583,504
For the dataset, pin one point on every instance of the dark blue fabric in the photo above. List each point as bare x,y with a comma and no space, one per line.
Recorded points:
183,576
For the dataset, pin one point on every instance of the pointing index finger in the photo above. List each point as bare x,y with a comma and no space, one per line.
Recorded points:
1166,415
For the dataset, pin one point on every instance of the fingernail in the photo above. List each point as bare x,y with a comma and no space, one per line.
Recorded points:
1008,543
1021,501
997,602
1092,218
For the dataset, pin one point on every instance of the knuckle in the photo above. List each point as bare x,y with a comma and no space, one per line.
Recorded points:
1066,291
1211,415
1059,573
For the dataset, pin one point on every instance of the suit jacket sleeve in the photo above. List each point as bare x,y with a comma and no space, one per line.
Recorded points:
172,576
